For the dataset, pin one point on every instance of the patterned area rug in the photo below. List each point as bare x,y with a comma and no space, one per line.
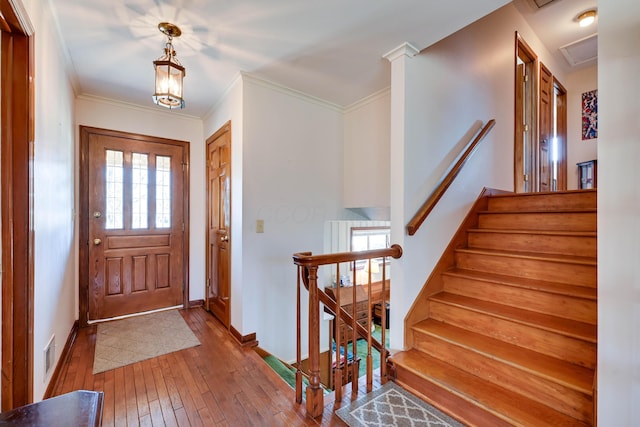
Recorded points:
392,405
130,340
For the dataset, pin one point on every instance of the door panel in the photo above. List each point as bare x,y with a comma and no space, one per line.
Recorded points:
218,294
135,229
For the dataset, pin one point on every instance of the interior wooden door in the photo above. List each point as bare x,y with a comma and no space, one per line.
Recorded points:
560,135
525,118
135,224
218,293
546,131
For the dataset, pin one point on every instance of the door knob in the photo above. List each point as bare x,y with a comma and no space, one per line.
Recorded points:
97,241
224,238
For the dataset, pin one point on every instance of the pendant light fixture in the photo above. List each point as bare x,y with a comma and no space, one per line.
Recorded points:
169,71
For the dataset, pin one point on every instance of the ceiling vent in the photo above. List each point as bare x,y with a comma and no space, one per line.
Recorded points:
540,3
581,51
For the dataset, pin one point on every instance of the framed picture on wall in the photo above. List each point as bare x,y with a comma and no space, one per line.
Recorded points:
590,115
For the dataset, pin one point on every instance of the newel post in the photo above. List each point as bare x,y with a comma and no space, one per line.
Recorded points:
315,398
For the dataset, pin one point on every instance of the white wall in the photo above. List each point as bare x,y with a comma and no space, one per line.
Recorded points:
446,91
578,150
55,265
154,121
366,152
293,175
287,168
618,213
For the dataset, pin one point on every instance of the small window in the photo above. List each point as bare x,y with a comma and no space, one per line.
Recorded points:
366,239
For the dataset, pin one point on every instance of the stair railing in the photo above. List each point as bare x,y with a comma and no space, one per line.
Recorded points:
443,185
344,369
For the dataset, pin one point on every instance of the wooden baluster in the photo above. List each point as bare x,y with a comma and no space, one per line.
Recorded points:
369,356
383,323
329,359
315,398
355,373
355,365
337,324
298,342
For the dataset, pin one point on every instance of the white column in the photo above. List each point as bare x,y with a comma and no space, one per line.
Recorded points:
398,58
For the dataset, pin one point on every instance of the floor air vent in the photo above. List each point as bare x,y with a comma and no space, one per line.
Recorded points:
49,355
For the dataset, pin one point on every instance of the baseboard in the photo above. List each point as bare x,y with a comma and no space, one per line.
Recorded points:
196,303
246,340
63,357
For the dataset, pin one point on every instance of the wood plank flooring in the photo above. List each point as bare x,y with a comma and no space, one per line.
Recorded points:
218,383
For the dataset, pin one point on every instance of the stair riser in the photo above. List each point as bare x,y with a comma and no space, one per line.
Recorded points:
514,378
549,221
441,397
527,336
527,242
574,274
579,309
553,201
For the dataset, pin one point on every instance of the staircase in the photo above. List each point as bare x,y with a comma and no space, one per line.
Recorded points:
509,336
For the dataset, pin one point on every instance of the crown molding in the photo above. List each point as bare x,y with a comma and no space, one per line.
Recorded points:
291,92
72,74
405,49
368,99
131,106
237,77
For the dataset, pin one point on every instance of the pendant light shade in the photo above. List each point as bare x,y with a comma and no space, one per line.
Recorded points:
169,72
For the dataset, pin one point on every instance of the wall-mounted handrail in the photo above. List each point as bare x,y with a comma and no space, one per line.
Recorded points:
430,203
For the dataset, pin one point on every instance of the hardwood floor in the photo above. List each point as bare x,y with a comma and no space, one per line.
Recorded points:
218,383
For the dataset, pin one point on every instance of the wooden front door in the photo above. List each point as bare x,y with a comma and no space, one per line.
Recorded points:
218,291
136,221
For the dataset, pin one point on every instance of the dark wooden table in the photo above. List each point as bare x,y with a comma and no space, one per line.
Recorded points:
78,408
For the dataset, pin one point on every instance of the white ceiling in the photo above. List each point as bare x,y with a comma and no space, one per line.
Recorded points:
556,25
331,49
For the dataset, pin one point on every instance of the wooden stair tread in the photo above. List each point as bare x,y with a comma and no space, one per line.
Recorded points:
539,232
542,193
572,259
568,374
539,210
502,403
517,347
525,283
573,328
